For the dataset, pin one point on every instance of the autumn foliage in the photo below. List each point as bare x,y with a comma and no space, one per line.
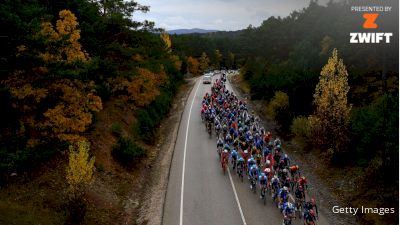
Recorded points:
332,114
80,169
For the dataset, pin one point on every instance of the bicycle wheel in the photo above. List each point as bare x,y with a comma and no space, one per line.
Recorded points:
264,197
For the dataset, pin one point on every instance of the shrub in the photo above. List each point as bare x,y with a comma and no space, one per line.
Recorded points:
301,129
116,129
278,104
79,176
125,151
278,110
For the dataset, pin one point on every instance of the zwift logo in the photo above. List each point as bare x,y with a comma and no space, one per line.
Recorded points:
370,23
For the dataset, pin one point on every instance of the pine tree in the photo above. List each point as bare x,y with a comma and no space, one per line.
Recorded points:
332,114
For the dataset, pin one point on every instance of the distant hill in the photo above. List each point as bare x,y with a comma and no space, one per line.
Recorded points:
190,31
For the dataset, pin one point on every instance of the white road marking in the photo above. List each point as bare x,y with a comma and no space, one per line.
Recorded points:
237,199
184,156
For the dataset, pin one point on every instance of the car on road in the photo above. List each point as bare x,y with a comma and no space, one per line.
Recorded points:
207,79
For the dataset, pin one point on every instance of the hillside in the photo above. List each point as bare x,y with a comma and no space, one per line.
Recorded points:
190,31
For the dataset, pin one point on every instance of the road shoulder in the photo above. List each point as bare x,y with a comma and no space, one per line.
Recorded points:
151,204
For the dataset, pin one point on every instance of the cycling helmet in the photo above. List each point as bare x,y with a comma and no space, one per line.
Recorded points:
285,188
284,170
286,156
245,151
267,170
226,151
267,162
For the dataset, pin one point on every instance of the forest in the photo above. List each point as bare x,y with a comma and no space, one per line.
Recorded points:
281,61
61,63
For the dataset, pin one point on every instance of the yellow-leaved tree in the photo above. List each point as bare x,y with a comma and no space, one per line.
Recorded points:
80,169
193,65
167,41
79,176
204,62
54,106
63,41
331,117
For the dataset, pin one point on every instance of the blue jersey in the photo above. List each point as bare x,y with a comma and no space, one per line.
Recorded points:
250,162
254,171
234,154
287,209
262,180
282,194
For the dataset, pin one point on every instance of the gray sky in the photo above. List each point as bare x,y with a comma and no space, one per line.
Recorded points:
215,14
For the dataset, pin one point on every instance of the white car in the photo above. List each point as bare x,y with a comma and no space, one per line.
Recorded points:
207,79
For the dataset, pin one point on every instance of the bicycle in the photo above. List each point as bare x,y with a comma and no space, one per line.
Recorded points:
253,184
299,206
240,172
287,220
263,193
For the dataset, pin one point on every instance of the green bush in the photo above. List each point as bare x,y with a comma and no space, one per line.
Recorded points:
278,104
278,110
116,129
301,130
125,151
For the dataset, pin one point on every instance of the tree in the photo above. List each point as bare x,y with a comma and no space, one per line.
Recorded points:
193,65
332,114
167,41
79,176
230,61
62,43
217,59
204,62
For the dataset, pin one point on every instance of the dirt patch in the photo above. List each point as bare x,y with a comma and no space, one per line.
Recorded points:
328,189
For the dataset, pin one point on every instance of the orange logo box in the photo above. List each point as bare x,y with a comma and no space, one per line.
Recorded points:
370,19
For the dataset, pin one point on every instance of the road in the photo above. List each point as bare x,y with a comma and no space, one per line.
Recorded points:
205,196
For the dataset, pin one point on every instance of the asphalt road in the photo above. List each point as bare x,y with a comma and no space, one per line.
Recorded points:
205,196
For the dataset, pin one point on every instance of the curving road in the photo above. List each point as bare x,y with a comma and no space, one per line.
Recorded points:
198,192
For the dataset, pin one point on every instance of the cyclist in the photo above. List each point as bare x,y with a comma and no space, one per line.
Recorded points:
234,156
250,162
253,174
283,194
240,165
262,180
227,147
220,145
288,210
218,129
286,160
309,217
311,205
224,158
299,193
294,169
228,138
302,182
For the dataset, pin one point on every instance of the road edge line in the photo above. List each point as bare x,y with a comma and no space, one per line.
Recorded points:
184,156
237,198
176,130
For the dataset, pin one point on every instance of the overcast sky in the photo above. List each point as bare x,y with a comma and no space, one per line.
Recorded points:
215,14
